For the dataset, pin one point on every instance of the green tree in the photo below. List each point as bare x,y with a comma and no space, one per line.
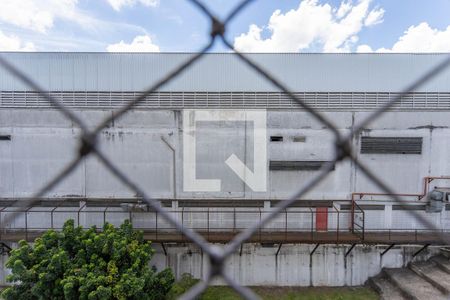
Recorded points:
86,264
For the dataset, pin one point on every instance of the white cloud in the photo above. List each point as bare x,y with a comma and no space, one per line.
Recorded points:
344,8
118,4
38,15
141,43
420,38
311,24
423,38
13,43
374,17
364,49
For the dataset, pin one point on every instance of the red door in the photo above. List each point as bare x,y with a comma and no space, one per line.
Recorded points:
321,218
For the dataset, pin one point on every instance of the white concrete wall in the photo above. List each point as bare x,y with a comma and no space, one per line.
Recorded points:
260,266
43,142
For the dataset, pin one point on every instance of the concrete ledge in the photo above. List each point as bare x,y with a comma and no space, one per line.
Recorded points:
412,285
442,262
385,288
431,273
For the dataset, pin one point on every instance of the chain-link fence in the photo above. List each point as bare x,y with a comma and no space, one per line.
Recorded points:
218,254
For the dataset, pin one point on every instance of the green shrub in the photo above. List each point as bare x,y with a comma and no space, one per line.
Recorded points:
86,264
181,286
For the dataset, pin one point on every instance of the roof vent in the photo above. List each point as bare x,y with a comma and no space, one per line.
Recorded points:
391,145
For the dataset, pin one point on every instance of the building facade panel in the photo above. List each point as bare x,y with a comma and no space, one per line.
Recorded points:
225,72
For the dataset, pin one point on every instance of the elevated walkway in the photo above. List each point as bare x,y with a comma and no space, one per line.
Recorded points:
313,222
305,222
264,236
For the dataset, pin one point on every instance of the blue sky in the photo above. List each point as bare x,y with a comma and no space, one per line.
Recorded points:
264,26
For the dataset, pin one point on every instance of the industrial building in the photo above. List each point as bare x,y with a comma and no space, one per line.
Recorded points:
346,214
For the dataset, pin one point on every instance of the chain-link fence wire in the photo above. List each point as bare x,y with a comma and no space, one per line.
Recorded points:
218,254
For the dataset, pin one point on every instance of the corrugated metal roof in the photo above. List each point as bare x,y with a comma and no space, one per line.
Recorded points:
225,72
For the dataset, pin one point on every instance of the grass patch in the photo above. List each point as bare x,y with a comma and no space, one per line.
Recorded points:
316,293
276,293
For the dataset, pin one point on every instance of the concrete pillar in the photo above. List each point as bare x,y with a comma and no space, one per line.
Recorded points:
174,204
443,216
388,216
82,218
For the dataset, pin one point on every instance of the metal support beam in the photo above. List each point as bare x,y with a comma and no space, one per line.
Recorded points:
421,249
349,250
279,248
164,249
387,249
240,249
314,250
4,249
311,254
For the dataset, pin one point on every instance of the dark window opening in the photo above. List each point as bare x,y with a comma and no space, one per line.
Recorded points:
391,145
408,207
276,138
295,165
363,207
299,139
5,137
305,203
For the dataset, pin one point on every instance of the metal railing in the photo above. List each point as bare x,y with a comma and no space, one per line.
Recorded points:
217,255
214,224
218,225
